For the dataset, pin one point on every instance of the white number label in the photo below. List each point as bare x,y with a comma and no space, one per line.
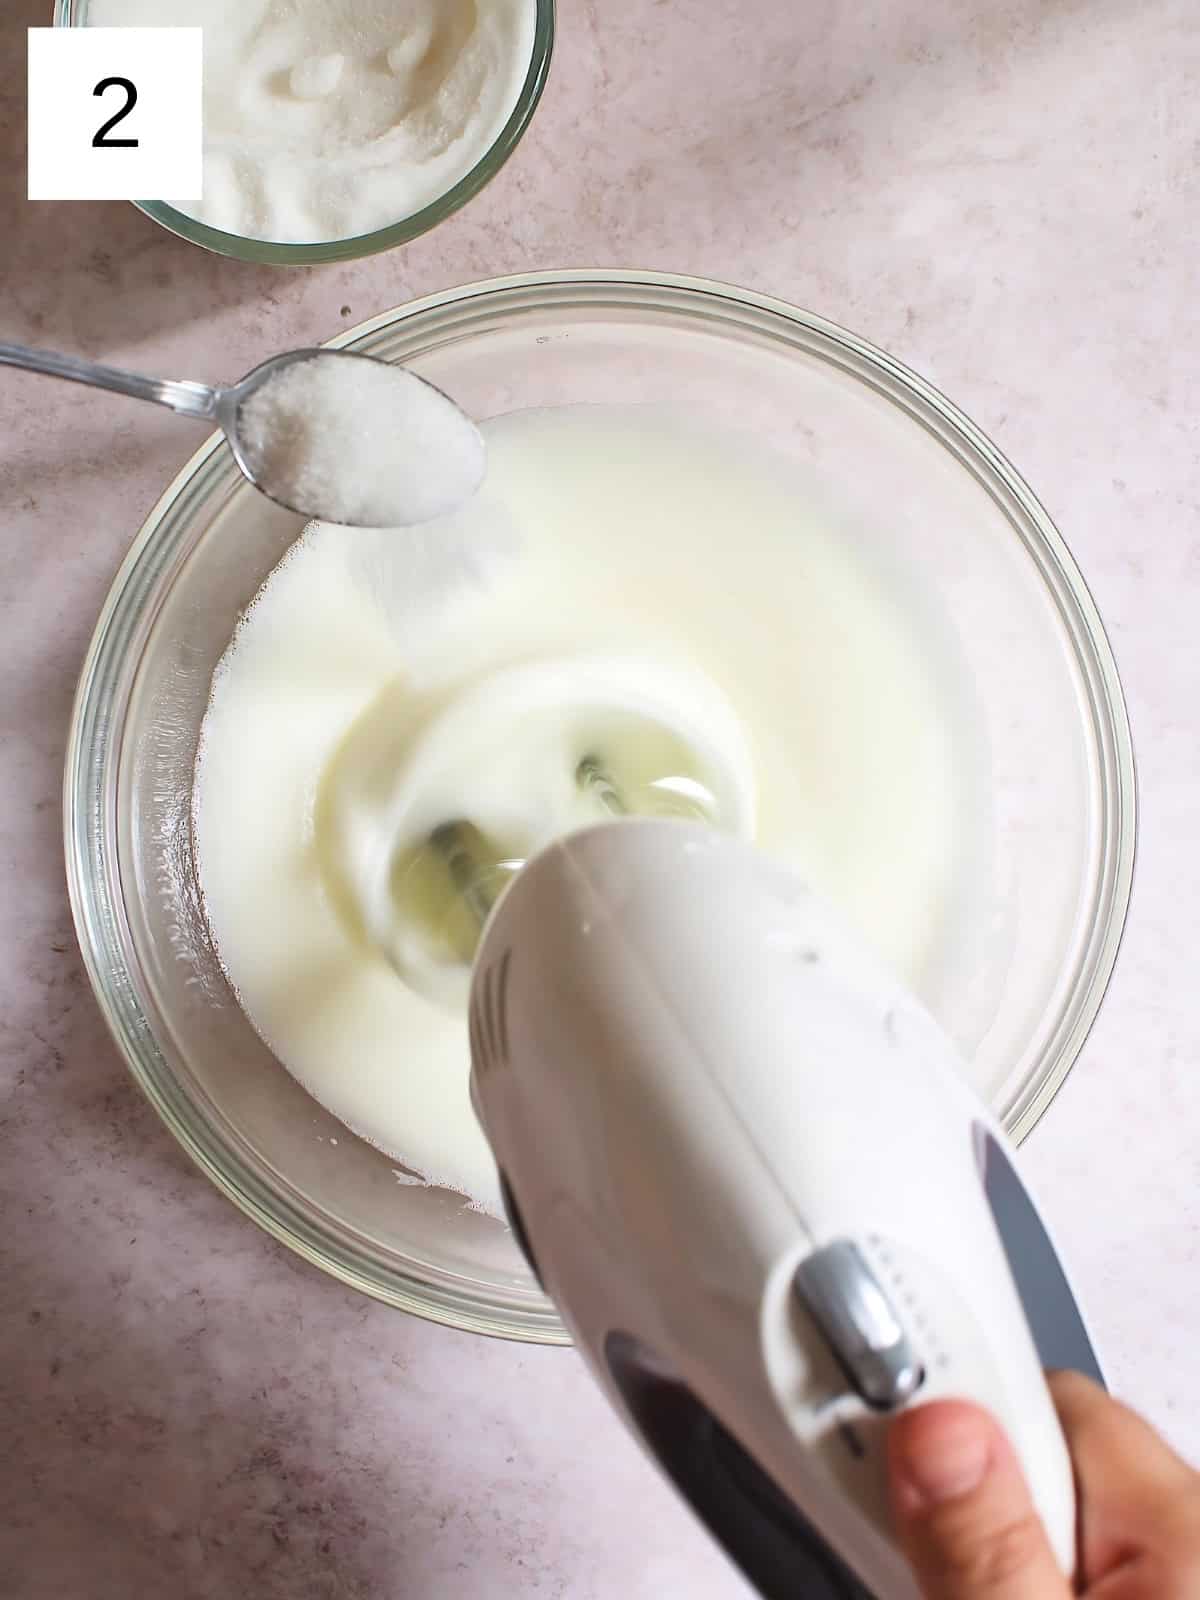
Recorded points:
115,114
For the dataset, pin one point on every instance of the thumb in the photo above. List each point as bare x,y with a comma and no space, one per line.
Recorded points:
962,1510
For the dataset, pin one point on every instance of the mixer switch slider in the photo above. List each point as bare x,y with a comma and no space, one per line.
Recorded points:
860,1324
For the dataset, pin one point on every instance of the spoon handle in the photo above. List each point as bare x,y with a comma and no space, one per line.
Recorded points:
191,399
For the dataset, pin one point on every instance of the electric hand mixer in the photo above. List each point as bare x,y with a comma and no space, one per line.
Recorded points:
746,1166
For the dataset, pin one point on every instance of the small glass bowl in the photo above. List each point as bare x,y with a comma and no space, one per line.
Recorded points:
73,14
982,559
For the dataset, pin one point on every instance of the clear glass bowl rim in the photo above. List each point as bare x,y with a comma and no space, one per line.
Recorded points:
278,253
94,740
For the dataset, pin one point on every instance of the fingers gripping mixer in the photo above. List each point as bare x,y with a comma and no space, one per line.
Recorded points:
745,1165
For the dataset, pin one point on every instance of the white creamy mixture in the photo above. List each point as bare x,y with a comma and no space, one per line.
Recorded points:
324,119
359,441
810,709
435,801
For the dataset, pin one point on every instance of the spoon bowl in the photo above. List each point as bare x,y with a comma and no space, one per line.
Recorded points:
426,453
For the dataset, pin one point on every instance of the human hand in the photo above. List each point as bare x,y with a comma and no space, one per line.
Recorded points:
968,1526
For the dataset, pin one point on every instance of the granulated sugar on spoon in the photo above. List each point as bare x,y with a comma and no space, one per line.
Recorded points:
330,434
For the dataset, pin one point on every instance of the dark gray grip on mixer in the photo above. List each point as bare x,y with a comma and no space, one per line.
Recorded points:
1049,1303
777,1548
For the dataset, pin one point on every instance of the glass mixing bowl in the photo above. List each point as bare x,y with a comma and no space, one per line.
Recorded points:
885,449
73,14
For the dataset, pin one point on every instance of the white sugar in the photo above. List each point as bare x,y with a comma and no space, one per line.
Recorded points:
326,119
360,442
316,76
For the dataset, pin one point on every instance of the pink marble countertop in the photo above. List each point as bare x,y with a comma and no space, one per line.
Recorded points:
1004,193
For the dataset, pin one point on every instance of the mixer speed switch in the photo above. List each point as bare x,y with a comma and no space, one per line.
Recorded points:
860,1324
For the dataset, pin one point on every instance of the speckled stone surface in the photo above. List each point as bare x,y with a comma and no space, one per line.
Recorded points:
1004,193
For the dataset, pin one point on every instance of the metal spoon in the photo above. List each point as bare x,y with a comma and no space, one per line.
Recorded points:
206,402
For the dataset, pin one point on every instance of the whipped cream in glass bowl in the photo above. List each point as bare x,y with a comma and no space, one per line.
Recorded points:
950,718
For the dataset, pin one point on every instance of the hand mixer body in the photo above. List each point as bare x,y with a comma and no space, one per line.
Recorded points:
746,1166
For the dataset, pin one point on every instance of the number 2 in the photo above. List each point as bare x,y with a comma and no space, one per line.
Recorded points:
100,139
